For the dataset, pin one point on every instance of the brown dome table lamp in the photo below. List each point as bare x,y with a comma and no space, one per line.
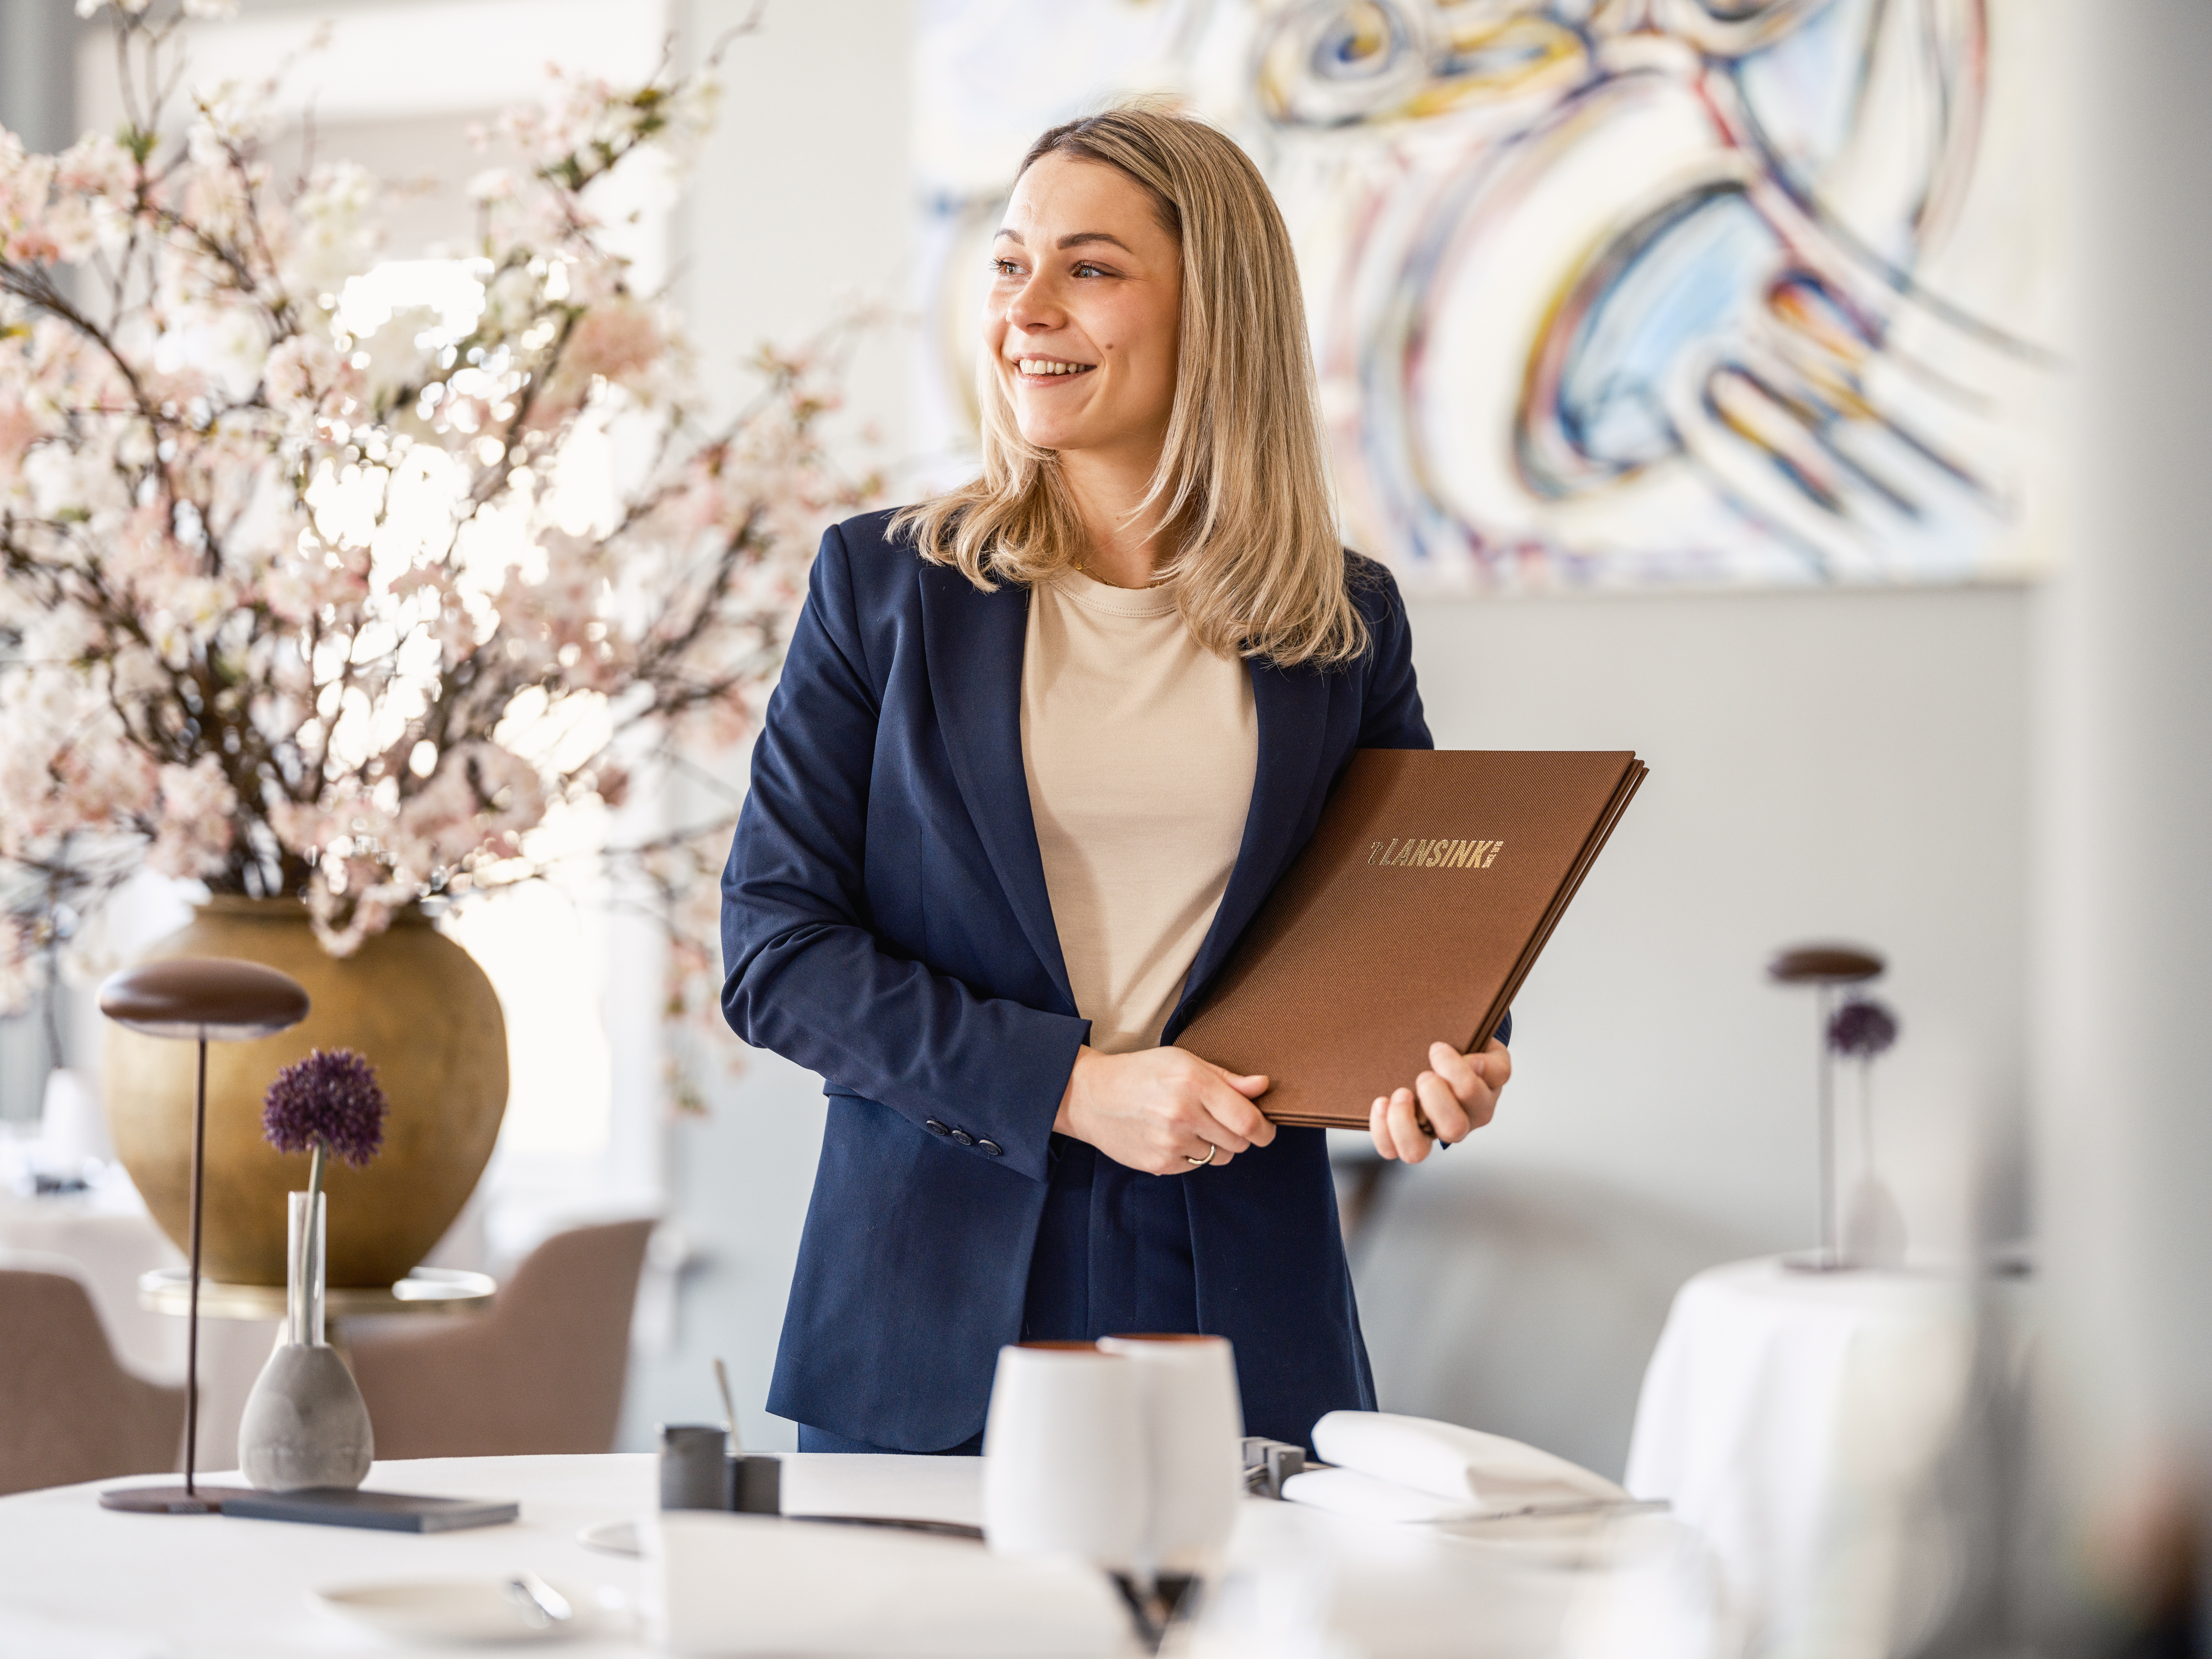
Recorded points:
206,999
1825,968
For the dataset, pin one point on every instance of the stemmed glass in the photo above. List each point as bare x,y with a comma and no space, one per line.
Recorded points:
1124,1454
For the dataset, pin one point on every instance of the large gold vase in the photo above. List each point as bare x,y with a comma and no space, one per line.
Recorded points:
411,1001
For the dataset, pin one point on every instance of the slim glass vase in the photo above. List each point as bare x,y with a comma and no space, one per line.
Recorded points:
305,1424
304,1268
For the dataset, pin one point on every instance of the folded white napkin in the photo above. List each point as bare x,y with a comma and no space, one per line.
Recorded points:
1390,1467
736,1584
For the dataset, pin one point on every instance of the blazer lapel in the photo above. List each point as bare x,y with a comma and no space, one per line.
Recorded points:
973,642
1292,705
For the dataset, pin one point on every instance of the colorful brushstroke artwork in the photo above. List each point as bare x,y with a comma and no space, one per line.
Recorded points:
1604,293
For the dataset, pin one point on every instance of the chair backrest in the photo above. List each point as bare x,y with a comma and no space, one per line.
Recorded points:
542,1372
68,1411
1524,1302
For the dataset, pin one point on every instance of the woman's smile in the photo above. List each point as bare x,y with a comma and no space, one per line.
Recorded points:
1049,371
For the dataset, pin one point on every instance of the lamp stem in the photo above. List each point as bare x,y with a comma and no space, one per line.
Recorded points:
192,1315
1831,1246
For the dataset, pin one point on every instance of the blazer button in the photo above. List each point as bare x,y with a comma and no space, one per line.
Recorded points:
963,1138
936,1128
992,1147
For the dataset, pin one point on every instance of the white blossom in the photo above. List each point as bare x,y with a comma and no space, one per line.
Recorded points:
396,358
333,236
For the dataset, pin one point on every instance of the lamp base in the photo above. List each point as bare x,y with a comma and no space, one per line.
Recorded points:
169,1500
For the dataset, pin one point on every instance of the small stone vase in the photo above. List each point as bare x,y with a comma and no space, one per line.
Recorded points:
306,1424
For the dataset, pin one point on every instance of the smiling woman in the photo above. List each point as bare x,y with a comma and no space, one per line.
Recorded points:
1146,390
1040,748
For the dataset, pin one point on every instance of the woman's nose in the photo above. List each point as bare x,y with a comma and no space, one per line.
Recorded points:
1034,305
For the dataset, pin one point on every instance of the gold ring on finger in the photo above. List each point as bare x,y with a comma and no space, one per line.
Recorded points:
1200,1163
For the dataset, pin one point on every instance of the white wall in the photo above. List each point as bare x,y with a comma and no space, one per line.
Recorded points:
800,210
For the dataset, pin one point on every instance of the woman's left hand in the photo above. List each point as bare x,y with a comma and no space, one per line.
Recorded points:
1457,1096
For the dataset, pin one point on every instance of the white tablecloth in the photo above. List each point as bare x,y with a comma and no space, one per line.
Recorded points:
77,1581
1829,1435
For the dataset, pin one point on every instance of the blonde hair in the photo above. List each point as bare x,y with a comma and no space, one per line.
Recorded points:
1243,484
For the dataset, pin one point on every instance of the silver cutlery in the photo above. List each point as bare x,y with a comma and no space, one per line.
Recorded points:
543,1607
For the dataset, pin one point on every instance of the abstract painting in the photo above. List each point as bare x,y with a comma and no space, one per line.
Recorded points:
1603,293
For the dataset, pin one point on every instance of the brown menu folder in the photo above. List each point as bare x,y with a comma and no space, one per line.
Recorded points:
1432,881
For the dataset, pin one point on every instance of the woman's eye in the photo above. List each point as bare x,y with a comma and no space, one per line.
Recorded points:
1087,269
1004,267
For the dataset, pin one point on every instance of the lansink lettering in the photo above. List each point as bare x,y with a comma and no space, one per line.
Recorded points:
1412,853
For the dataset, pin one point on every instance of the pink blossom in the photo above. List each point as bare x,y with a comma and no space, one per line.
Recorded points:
19,430
96,165
619,341
298,585
304,827
343,919
305,376
482,798
198,804
65,767
700,504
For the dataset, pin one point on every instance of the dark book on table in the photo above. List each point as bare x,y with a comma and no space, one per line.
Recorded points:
387,1512
1415,913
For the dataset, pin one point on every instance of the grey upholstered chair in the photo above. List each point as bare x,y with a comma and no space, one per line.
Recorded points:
68,1412
541,1372
1520,1301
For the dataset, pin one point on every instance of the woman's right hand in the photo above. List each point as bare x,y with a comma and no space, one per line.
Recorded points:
1159,1110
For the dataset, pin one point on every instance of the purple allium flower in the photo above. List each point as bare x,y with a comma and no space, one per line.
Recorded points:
1861,1027
328,1097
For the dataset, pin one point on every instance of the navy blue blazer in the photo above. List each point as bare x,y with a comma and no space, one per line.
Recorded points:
885,923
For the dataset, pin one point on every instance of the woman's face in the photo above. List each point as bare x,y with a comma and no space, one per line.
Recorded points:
1081,320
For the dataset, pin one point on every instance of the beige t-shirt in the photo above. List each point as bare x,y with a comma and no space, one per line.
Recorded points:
1140,746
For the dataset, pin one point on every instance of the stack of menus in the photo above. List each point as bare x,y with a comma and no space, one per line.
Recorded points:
1429,886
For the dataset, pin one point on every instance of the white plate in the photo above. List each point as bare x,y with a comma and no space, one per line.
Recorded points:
462,1609
615,1537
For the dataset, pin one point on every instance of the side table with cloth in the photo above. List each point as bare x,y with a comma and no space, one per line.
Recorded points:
1834,1437
83,1583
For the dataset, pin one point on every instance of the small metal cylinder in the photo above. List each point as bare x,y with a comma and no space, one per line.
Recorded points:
691,1459
756,1485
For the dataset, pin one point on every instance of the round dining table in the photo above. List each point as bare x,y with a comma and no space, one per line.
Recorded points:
78,1582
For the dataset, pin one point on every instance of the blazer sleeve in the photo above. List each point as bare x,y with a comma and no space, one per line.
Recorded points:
803,974
1390,710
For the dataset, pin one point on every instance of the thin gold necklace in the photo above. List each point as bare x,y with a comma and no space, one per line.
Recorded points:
1154,582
